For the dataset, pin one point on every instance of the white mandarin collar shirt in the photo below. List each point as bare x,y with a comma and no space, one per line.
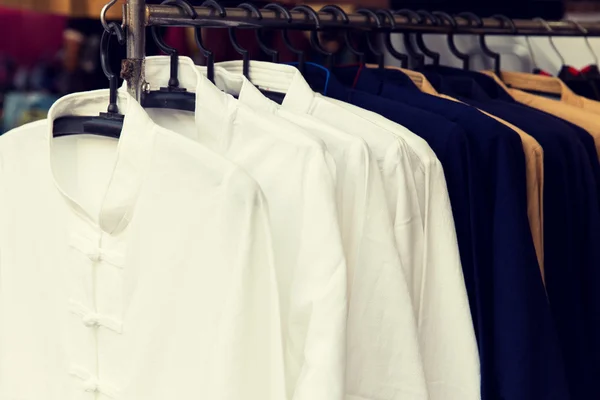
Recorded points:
383,357
296,174
425,233
132,269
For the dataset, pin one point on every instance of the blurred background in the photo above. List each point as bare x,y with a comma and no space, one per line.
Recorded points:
49,48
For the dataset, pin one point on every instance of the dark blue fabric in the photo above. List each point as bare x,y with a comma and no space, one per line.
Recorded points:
509,291
571,220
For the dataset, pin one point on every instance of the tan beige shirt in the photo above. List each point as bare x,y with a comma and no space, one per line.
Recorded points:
578,116
551,85
534,159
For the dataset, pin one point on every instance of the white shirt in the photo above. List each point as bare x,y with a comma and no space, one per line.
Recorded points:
132,269
426,238
295,172
383,358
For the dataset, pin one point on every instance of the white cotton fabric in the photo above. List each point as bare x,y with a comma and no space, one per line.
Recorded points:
296,173
383,359
424,228
132,269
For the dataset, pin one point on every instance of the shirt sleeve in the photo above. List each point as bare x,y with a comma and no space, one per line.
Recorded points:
249,362
446,328
435,277
318,299
384,360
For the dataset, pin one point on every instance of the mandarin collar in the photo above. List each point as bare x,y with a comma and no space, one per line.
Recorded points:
213,107
134,153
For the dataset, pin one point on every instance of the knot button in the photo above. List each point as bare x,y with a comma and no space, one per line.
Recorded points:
91,385
91,321
95,257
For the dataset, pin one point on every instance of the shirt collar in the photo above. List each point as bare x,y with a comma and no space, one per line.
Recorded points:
470,84
278,78
213,107
543,84
134,153
387,82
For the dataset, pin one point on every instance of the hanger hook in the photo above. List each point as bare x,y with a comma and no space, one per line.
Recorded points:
116,30
584,31
387,14
239,49
411,16
172,52
372,47
210,57
274,54
474,18
506,22
284,33
464,57
314,37
435,57
550,38
337,12
103,13
258,15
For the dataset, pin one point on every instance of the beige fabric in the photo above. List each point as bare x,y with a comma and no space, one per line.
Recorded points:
551,85
534,159
578,116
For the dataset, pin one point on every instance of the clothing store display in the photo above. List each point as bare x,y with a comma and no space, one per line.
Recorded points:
396,78
252,230
480,131
435,278
570,222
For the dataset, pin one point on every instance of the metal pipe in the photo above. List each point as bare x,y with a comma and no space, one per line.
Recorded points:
135,16
173,16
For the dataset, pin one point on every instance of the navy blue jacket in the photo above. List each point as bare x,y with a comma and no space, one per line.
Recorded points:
509,291
571,219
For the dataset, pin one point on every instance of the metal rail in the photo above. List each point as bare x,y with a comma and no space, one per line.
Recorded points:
174,16
138,15
135,16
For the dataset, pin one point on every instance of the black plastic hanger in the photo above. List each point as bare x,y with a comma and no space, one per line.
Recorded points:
465,58
239,49
473,18
412,16
435,57
387,38
273,53
506,22
373,48
314,34
337,12
284,34
275,96
209,55
110,123
171,97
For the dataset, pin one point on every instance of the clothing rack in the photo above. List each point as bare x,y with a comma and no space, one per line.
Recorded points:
137,15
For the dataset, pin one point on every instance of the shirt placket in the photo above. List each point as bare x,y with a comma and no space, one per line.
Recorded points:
96,306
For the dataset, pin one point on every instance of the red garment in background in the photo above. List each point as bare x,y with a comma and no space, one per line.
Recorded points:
29,36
